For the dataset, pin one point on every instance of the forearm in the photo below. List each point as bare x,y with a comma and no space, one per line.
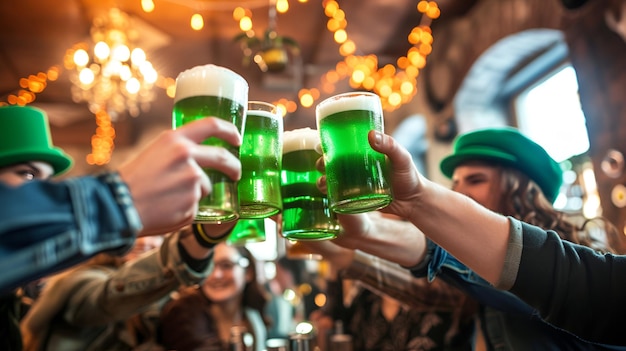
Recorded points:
198,240
395,281
388,238
473,234
137,284
45,226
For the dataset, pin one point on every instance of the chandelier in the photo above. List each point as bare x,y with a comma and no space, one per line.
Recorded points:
112,75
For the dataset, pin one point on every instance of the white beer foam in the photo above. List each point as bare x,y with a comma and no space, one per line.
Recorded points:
211,80
264,113
334,105
301,139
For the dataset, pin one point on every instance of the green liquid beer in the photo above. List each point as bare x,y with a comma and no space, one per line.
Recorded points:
261,158
213,91
356,175
306,213
247,231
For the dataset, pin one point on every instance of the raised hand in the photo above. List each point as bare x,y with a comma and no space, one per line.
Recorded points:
166,178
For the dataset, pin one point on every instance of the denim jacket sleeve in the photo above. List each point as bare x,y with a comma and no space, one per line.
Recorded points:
440,263
49,226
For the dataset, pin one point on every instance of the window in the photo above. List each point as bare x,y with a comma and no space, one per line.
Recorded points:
549,112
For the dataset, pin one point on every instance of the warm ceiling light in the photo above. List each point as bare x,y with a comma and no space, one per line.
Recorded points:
147,5
116,79
340,36
238,13
245,23
197,22
282,6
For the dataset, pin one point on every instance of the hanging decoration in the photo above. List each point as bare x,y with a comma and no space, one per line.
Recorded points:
270,51
395,84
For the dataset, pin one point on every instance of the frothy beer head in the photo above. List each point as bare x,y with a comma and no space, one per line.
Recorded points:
211,80
262,109
301,139
340,103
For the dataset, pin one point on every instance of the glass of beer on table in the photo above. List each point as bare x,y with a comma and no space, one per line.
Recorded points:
306,214
213,91
261,156
356,175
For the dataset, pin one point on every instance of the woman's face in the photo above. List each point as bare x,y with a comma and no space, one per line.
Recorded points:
479,181
228,278
21,173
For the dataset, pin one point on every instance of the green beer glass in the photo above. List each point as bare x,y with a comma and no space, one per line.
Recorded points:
213,91
356,175
247,231
306,213
261,155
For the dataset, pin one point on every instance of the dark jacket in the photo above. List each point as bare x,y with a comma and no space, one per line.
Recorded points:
582,291
508,323
187,324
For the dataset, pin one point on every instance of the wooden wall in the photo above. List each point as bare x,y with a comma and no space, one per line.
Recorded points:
597,52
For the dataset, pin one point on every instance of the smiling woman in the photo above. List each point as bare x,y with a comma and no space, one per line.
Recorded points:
229,299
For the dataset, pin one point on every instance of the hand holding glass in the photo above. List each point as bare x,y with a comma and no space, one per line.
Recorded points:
213,91
356,175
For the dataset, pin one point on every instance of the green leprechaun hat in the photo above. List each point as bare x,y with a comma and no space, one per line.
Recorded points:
25,136
507,146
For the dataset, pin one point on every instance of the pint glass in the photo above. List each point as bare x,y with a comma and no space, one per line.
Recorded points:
306,215
261,158
213,91
356,175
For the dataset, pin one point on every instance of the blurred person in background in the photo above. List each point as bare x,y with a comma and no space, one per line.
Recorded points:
202,317
385,308
113,302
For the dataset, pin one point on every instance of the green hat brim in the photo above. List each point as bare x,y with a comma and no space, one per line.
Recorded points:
507,146
449,163
59,161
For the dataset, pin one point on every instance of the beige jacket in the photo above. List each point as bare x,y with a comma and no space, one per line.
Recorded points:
90,307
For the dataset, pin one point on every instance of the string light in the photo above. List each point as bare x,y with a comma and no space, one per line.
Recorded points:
197,22
31,86
394,83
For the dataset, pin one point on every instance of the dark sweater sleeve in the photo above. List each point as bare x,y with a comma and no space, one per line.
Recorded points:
573,286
